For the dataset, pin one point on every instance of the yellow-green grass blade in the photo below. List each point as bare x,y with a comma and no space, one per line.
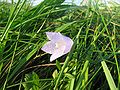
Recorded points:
108,76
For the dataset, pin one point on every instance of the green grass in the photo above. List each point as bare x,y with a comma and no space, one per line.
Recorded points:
93,62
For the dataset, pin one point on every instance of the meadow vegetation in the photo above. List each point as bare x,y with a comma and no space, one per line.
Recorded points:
93,62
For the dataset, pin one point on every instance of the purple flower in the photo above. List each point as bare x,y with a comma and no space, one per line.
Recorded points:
57,45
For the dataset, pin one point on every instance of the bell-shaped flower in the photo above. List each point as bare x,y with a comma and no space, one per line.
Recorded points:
57,45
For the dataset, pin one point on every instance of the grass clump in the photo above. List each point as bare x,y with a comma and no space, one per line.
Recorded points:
93,62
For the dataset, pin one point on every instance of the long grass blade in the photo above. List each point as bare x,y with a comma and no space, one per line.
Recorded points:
108,76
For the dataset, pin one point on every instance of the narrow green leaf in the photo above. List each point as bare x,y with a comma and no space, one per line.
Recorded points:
69,76
108,76
72,82
58,65
82,78
1,65
63,27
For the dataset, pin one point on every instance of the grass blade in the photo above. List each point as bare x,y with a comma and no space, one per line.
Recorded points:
108,76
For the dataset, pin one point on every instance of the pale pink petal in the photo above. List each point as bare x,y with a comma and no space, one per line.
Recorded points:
69,44
57,53
54,36
49,47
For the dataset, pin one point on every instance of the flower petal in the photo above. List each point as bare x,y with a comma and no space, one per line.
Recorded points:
57,53
69,44
54,36
49,47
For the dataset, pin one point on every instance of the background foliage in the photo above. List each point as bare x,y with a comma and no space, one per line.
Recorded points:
93,62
